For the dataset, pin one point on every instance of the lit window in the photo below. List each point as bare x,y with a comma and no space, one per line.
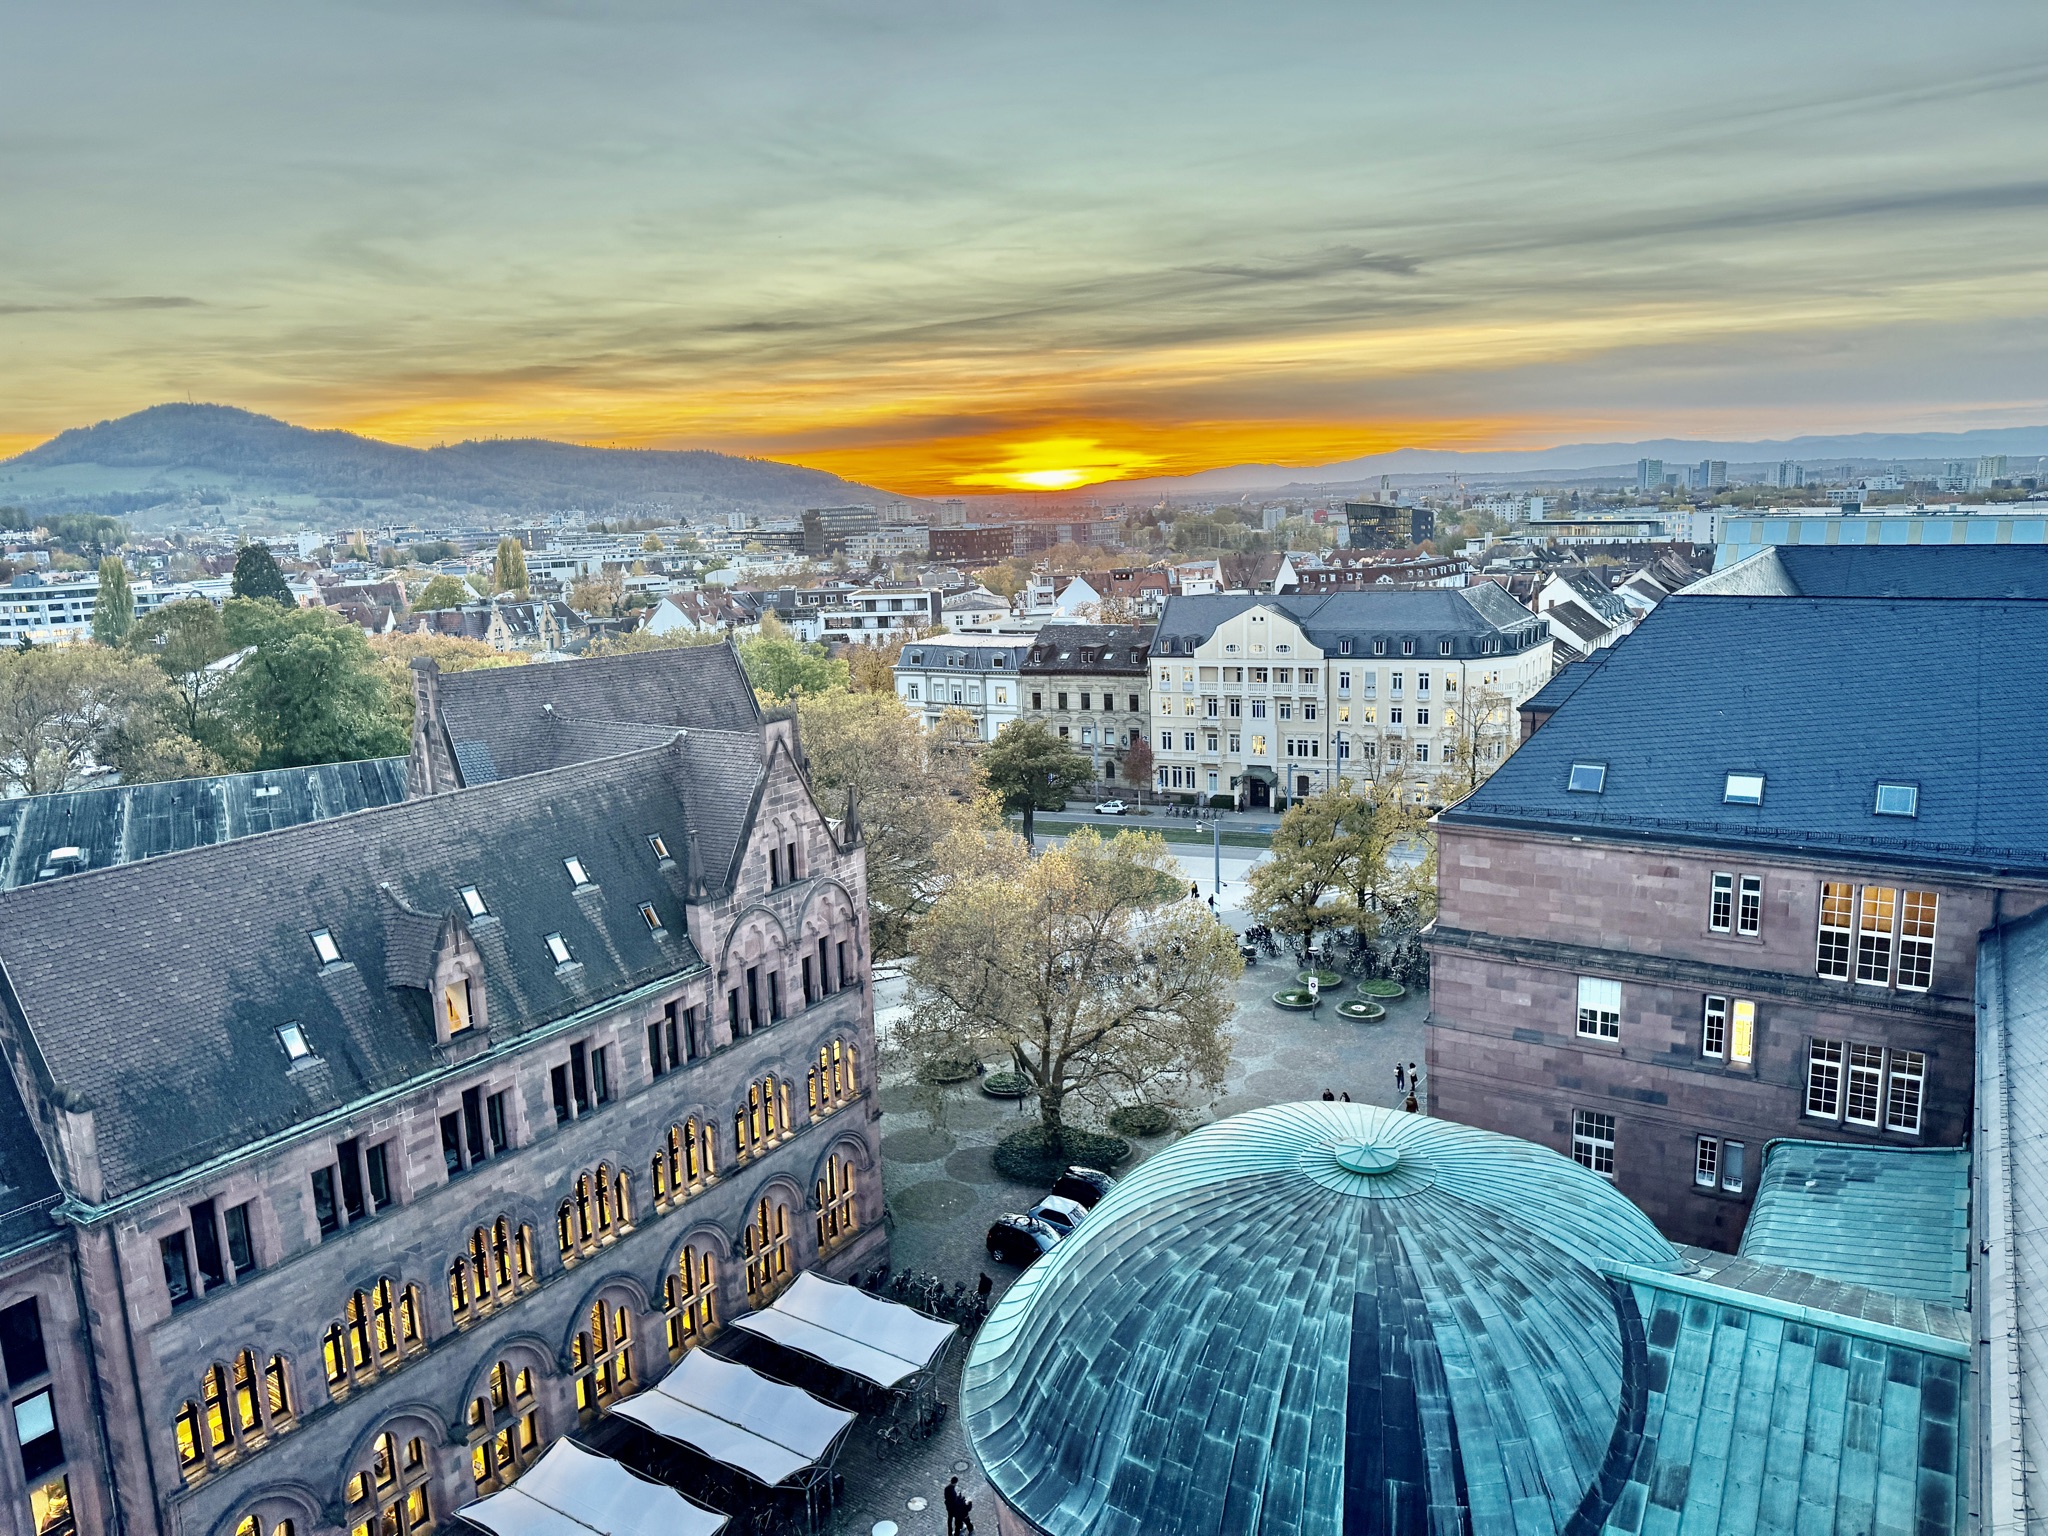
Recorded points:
652,917
325,947
473,902
557,948
1743,789
1742,1040
1916,940
1898,800
1593,1141
1837,907
293,1039
576,874
1599,1008
1587,778
1877,916
661,848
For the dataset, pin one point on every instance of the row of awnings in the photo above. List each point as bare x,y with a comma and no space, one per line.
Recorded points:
728,1412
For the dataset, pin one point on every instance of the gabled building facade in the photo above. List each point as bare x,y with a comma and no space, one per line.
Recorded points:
421,1134
974,673
1089,685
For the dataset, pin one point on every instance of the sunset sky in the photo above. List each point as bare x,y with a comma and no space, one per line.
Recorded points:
973,245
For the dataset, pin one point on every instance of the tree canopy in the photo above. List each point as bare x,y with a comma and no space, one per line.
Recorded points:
1333,865
509,569
66,708
256,575
442,592
310,691
1030,769
113,610
1085,966
782,667
913,789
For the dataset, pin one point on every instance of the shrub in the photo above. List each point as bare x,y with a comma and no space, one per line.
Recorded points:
1381,988
1140,1120
1006,1085
946,1069
1030,1156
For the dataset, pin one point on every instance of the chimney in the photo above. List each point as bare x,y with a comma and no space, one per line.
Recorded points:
430,770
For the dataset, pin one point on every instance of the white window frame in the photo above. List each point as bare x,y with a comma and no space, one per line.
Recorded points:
473,902
1905,1089
1593,1141
1599,1008
1706,1162
1863,1085
1749,906
1714,1027
1824,1061
1721,903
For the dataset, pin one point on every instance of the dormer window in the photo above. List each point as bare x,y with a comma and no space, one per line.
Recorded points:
1587,779
293,1038
473,902
652,917
557,949
455,1003
1344,647
1379,647
1743,789
325,947
576,874
1897,800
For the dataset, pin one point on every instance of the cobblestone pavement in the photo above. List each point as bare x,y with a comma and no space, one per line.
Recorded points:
943,1190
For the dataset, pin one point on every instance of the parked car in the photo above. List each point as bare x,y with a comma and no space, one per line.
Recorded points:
1112,808
1083,1186
1060,1213
1020,1240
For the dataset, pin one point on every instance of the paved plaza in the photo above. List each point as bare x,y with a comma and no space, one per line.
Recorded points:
943,1190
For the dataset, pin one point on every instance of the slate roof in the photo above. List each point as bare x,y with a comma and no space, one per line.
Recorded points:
1598,598
1825,698
1117,650
155,990
1891,1218
1564,683
501,722
124,822
1325,1319
2013,571
1580,622
1462,615
28,1190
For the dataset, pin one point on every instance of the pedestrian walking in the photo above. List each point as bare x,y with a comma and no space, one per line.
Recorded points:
1400,1077
1212,903
984,1285
1329,1097
1410,1105
1347,1095
956,1513
1194,891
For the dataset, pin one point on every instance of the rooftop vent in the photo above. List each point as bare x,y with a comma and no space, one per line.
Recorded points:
1587,779
1897,800
1743,789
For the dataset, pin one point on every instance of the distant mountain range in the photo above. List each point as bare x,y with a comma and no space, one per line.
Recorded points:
1587,459
172,456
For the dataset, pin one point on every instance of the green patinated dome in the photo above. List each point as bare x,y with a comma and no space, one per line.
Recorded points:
1324,1318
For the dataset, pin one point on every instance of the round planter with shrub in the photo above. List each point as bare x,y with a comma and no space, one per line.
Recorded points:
1324,979
1140,1120
1006,1085
1030,1156
1380,987
1363,1011
1294,997
943,1071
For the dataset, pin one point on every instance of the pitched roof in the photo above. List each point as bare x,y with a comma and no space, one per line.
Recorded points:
125,822
1822,697
1891,1218
501,722
1427,616
2015,571
1117,649
1580,622
155,991
1564,683
28,1189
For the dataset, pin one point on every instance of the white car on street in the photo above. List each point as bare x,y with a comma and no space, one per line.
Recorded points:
1112,808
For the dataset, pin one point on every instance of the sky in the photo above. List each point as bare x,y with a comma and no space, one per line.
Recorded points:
957,246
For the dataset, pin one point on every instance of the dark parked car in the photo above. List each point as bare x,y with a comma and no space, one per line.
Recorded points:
1083,1186
1020,1239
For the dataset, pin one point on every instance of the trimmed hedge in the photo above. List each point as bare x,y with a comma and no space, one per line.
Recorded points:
1140,1120
1324,979
1006,1085
944,1070
1293,997
1380,987
1026,1156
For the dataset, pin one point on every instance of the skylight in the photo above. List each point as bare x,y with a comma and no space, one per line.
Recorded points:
293,1039
653,917
1898,800
575,868
324,946
660,848
557,948
473,902
1587,778
1743,789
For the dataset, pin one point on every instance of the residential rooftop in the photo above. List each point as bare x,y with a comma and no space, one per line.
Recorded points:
1474,620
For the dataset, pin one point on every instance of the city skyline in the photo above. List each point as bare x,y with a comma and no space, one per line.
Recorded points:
953,254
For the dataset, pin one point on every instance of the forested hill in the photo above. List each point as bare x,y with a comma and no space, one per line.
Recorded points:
173,451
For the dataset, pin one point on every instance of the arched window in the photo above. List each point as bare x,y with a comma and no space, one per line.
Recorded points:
504,1428
251,1526
833,1079
240,1407
599,1212
389,1496
497,1267
837,1215
379,1328
602,1357
763,1118
684,1163
767,1251
689,1296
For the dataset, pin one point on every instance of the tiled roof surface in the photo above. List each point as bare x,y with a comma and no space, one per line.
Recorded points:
1565,683
1840,1298
28,1190
1118,649
125,822
1891,1218
1426,615
2015,571
1824,698
155,990
1328,1319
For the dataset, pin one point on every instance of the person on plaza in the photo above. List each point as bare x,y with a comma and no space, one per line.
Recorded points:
983,1286
1194,891
1329,1097
1212,903
1347,1095
956,1512
1410,1105
1400,1077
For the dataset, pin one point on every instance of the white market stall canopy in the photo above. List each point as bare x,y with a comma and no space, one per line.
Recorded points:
572,1492
739,1417
880,1341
